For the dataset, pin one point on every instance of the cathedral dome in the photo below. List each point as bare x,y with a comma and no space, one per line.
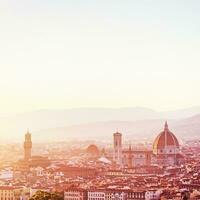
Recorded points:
93,150
164,140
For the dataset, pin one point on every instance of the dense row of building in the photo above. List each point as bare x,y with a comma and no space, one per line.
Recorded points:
105,194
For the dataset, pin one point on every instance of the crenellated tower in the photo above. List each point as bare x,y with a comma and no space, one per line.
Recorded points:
27,146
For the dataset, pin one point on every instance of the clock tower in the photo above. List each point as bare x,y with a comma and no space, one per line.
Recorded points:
27,146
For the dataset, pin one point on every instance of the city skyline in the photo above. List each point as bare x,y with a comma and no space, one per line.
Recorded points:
83,170
99,100
65,54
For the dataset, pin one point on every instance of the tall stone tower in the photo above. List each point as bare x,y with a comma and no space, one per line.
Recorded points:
117,156
27,146
130,157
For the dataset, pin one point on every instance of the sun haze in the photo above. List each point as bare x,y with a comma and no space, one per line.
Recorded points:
64,54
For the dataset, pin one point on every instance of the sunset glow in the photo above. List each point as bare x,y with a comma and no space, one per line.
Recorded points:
68,54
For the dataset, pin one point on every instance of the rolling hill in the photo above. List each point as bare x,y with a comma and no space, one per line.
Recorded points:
99,123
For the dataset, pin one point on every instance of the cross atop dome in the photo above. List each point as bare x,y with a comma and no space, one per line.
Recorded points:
166,126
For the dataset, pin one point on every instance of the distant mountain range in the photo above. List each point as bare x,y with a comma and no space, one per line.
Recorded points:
132,130
99,123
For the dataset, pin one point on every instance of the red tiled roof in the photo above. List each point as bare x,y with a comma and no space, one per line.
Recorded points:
6,187
165,138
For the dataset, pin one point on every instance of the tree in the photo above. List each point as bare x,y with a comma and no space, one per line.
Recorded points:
42,195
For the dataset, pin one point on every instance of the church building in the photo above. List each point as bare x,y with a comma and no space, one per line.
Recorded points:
129,157
165,152
166,148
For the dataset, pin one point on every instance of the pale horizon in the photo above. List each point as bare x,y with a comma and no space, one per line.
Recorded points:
98,107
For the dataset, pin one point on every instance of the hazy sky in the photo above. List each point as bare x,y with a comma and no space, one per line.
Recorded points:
99,53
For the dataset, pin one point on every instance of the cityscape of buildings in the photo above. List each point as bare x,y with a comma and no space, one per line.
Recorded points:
163,170
94,82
